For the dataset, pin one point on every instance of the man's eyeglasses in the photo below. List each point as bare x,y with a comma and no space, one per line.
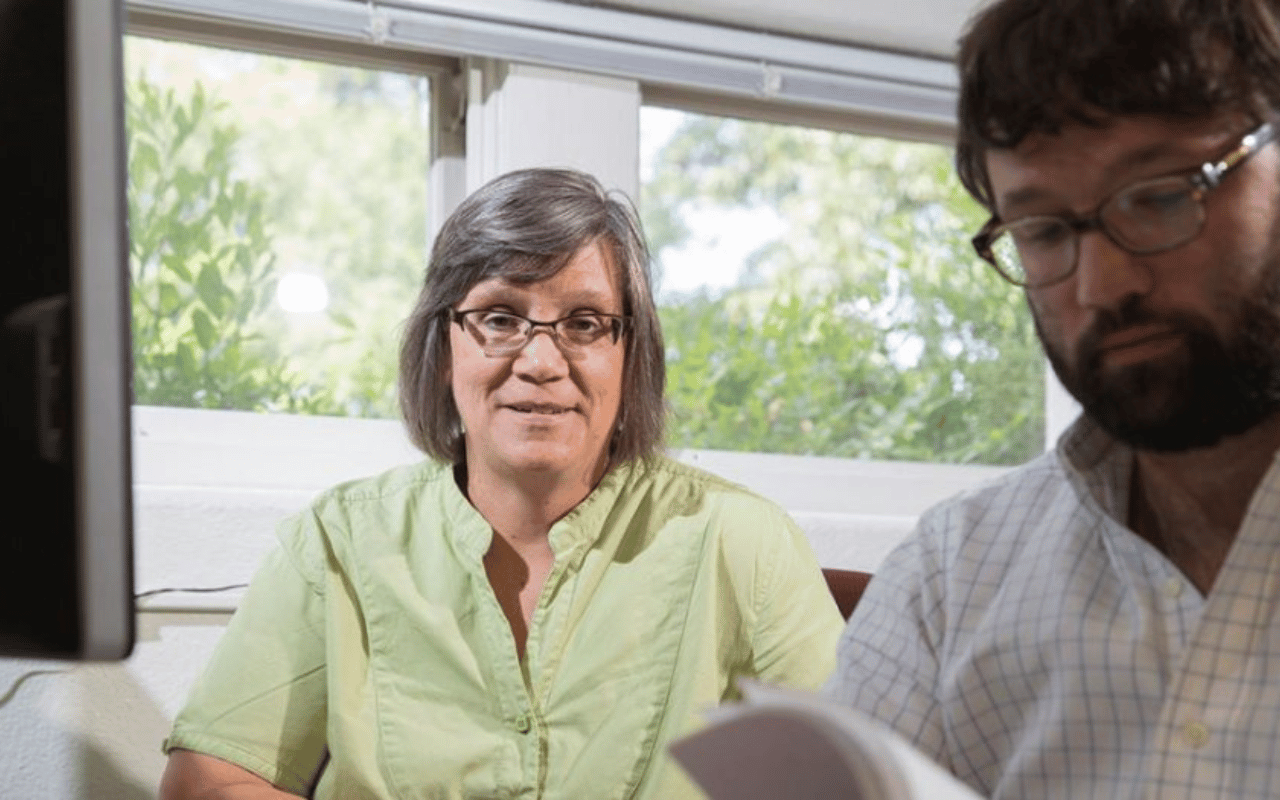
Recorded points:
502,333
1147,217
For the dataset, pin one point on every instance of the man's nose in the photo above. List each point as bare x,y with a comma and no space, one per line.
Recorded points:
1107,274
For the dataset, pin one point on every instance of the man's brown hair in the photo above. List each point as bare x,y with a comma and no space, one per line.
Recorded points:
1030,66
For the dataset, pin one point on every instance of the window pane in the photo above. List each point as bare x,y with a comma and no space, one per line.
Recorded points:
819,296
278,225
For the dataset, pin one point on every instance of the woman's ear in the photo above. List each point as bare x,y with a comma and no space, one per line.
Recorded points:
446,360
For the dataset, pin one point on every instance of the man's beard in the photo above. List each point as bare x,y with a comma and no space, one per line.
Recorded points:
1191,398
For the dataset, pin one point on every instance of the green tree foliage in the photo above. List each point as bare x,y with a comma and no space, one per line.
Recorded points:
867,328
201,262
347,175
301,166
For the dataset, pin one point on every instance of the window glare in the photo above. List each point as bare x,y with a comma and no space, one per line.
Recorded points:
819,296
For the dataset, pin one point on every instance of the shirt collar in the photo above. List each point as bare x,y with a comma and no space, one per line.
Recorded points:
573,533
1098,466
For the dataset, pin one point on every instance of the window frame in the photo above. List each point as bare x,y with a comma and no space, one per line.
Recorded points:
190,465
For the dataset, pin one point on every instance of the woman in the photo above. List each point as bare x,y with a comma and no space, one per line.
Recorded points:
545,603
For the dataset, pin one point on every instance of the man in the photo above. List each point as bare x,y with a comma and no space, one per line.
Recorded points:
1105,621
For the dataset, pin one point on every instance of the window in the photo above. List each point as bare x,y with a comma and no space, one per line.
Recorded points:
278,225
811,349
819,296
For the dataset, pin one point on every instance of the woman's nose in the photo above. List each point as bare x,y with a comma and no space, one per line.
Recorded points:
541,357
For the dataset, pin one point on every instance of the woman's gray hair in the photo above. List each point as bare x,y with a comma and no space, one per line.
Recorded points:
525,226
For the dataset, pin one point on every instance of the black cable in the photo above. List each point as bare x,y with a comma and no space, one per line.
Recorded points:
9,694
205,589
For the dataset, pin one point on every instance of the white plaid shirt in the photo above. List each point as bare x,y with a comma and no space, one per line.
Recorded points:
1038,648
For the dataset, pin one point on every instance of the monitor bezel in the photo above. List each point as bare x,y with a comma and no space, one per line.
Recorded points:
101,344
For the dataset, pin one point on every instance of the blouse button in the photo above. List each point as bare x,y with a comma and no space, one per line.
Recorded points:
523,724
1173,587
1196,734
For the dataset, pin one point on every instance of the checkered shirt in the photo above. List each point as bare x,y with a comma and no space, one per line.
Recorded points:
1038,648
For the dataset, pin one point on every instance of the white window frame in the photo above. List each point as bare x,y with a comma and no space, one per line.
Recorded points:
209,485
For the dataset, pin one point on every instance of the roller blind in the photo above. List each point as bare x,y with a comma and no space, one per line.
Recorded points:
658,51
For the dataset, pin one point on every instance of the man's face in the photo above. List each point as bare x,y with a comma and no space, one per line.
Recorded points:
1169,351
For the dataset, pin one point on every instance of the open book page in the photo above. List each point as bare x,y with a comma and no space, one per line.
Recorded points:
781,744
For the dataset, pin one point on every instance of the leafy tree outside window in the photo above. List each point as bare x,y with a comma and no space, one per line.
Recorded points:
856,321
202,265
245,170
859,325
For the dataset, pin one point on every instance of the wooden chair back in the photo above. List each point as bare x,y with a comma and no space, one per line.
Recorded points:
846,587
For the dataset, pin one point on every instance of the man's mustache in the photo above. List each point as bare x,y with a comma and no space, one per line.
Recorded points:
1133,313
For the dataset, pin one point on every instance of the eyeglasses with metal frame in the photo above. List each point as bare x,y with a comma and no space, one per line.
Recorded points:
504,333
1150,216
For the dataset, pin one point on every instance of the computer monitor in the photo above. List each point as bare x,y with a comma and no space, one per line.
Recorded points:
66,563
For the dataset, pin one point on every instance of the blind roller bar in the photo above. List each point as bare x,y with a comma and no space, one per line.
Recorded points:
642,28
649,49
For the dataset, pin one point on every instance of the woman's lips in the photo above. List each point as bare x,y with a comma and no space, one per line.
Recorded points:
538,408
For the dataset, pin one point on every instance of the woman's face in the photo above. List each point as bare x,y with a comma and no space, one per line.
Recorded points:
540,411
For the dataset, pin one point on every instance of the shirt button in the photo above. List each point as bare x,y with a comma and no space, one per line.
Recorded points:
523,724
1196,734
1173,587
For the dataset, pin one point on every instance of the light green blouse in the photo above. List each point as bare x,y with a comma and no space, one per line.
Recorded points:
370,657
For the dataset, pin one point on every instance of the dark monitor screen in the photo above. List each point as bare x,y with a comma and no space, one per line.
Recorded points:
66,565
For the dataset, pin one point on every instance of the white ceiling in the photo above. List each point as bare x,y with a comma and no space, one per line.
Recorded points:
928,27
